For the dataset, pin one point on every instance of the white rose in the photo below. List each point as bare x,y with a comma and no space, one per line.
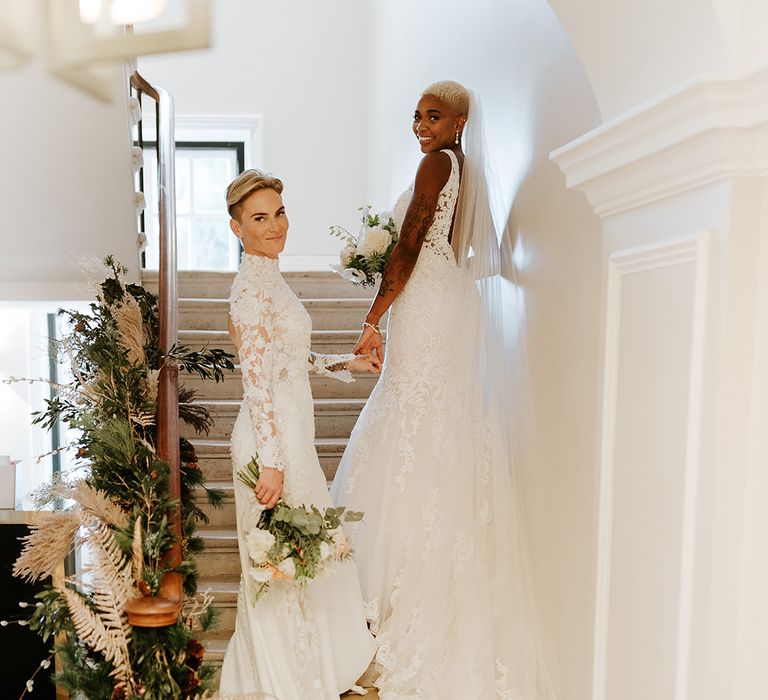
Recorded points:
258,543
353,275
261,574
325,550
340,545
288,568
375,240
346,255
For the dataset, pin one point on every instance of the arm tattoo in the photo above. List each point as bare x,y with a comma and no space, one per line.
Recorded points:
400,266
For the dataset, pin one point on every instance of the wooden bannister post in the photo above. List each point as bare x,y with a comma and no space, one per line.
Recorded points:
164,609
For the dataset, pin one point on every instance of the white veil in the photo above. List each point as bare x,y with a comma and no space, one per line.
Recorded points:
489,336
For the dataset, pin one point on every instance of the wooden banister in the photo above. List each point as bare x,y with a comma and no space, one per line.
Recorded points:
164,609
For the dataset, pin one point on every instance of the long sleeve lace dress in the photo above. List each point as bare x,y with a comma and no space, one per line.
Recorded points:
293,643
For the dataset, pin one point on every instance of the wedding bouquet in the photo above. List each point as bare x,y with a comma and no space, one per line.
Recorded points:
365,256
293,544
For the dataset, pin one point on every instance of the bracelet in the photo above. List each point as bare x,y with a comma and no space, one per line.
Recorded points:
372,326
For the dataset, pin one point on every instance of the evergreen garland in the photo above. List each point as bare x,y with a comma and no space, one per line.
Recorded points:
115,359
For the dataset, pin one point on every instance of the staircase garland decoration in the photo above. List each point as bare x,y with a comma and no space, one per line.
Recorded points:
119,520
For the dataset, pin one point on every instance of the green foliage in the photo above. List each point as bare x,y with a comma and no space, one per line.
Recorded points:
115,360
306,537
367,268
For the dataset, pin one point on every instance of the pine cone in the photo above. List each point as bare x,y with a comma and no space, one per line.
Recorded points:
195,653
187,450
145,589
191,682
119,693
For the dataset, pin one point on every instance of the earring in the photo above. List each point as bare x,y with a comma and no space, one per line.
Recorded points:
456,140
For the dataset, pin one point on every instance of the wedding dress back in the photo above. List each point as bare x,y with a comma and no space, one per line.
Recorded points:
442,570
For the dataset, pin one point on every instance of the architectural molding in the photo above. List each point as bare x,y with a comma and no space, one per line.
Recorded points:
248,128
709,129
667,253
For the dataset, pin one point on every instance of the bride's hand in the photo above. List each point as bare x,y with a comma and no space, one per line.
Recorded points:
269,487
370,343
365,363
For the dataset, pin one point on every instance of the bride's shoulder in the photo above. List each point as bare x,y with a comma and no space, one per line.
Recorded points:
434,168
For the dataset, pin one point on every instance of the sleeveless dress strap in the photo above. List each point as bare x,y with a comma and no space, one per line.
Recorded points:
452,156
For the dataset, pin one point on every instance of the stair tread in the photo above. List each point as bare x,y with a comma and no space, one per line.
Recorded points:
356,301
220,586
213,534
223,334
210,443
218,404
223,485
215,647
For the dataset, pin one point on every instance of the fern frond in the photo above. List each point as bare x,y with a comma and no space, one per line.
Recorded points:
100,634
112,586
137,552
109,562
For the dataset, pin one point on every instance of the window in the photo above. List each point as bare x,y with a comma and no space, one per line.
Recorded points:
203,171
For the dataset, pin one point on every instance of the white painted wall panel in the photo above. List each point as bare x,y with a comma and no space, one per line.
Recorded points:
651,410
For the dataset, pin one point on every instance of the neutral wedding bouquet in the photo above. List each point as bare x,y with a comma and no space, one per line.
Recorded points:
293,544
365,256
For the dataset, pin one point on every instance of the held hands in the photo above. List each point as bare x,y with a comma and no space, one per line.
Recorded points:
370,343
365,363
269,487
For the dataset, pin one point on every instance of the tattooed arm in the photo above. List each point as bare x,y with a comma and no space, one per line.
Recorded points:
434,171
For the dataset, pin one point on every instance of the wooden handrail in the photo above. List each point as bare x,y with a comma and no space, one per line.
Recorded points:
164,609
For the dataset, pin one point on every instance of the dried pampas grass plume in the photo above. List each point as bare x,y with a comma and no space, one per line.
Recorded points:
45,548
96,503
130,328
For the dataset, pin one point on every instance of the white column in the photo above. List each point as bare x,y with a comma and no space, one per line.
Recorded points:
681,184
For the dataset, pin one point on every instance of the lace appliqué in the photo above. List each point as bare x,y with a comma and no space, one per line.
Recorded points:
371,610
336,366
463,552
432,520
502,680
253,315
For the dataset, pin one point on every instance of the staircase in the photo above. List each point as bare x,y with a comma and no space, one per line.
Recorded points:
337,309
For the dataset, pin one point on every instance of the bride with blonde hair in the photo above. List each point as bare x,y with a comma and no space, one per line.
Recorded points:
292,643
432,460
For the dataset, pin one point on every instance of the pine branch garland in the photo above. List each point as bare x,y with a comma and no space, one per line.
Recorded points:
121,508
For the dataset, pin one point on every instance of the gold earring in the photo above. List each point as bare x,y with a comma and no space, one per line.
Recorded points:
456,140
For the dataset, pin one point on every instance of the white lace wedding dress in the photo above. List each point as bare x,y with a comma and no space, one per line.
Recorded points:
445,592
294,643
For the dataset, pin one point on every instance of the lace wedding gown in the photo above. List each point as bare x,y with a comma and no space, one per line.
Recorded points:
293,643
443,580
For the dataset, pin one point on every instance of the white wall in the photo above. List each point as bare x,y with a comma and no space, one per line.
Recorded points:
302,65
633,51
680,182
66,189
535,96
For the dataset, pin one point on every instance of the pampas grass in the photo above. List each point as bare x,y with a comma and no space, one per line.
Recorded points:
130,328
45,548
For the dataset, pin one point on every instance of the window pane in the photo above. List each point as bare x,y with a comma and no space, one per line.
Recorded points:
210,236
212,172
204,239
184,240
183,182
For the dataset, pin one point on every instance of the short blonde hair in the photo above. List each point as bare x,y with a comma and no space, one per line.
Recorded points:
245,184
454,94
